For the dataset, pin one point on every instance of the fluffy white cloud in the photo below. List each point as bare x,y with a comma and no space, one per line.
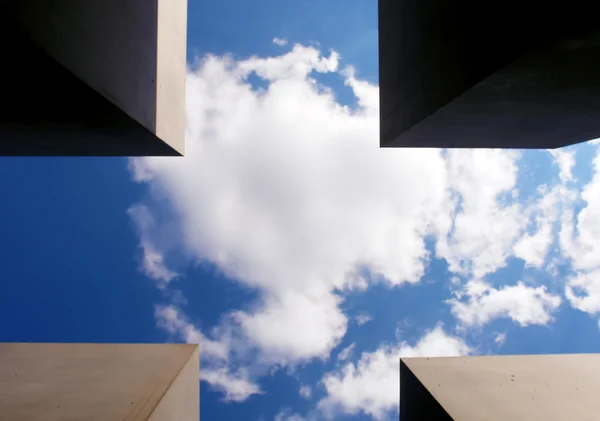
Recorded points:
524,304
491,227
295,326
565,159
286,191
214,355
580,242
372,385
480,238
533,247
583,291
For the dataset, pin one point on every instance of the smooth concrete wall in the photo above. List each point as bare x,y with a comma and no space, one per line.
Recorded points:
102,382
130,52
170,72
181,401
516,388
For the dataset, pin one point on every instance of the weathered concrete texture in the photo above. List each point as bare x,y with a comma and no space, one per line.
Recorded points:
95,77
102,382
465,73
499,388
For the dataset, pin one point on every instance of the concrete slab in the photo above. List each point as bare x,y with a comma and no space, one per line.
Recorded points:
94,77
100,382
469,74
516,388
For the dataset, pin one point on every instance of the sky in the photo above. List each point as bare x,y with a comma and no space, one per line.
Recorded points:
302,258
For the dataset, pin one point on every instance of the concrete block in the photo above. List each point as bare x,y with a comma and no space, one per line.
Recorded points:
472,74
94,77
495,388
103,382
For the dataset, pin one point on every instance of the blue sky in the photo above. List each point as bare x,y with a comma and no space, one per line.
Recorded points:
302,258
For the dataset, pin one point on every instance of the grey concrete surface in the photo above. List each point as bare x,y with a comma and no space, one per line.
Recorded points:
102,382
516,388
96,77
435,54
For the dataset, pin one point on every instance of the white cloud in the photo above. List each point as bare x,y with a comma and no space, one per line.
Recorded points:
279,327
492,227
214,355
580,242
523,304
500,339
153,264
363,318
372,385
280,41
305,391
583,291
546,212
533,247
565,159
235,386
346,352
294,65
480,238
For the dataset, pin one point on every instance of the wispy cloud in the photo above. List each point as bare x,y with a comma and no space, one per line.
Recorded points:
305,391
152,261
346,352
280,41
523,304
372,385
500,339
363,318
236,385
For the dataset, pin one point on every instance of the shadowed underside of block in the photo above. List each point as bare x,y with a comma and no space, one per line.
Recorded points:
466,73
94,77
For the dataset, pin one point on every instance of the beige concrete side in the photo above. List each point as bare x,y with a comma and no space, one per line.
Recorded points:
182,400
170,72
103,382
516,388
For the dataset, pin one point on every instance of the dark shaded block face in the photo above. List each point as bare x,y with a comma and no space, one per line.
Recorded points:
474,74
416,403
80,78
